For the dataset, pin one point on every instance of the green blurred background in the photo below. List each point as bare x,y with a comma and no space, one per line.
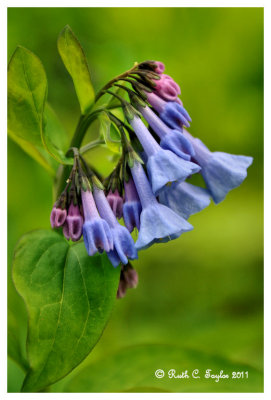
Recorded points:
203,291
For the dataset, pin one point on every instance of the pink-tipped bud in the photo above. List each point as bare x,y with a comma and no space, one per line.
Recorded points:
116,203
58,217
131,277
121,289
72,228
160,67
167,88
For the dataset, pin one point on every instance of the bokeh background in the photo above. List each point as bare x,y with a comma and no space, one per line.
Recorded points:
203,291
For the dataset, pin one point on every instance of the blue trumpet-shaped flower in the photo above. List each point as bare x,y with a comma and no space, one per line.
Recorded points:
163,166
132,206
171,139
96,232
221,172
171,112
124,247
158,223
184,199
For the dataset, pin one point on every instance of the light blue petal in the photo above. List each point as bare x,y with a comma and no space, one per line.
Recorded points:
97,236
131,214
159,223
114,258
184,199
164,167
178,144
123,244
224,172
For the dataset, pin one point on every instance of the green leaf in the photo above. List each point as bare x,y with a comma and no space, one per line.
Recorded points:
15,350
54,137
27,90
75,61
109,133
27,126
69,297
133,370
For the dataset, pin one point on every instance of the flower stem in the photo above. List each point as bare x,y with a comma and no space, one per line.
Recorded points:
91,145
63,170
110,83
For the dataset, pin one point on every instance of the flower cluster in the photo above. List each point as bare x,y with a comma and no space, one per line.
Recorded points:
148,187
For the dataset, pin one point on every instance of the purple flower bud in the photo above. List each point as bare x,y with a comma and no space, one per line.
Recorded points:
128,280
116,203
58,217
121,289
124,247
131,277
96,232
132,206
160,67
167,88
72,228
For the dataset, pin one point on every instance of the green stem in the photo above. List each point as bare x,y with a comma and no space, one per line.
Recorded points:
82,126
91,145
110,83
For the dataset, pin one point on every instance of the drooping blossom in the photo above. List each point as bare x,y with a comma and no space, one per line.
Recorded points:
132,206
163,166
221,172
171,139
124,247
96,231
171,112
184,199
158,223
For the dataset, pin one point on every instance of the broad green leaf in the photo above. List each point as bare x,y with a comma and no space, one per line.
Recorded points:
133,370
109,133
15,343
69,297
31,123
75,61
54,137
27,90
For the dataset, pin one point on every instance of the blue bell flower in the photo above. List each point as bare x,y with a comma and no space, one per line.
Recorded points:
171,139
221,172
96,232
124,247
158,223
132,206
184,199
163,166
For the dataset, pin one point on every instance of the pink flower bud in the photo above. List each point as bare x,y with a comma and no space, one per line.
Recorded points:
167,88
131,277
121,289
58,217
116,203
72,228
160,67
